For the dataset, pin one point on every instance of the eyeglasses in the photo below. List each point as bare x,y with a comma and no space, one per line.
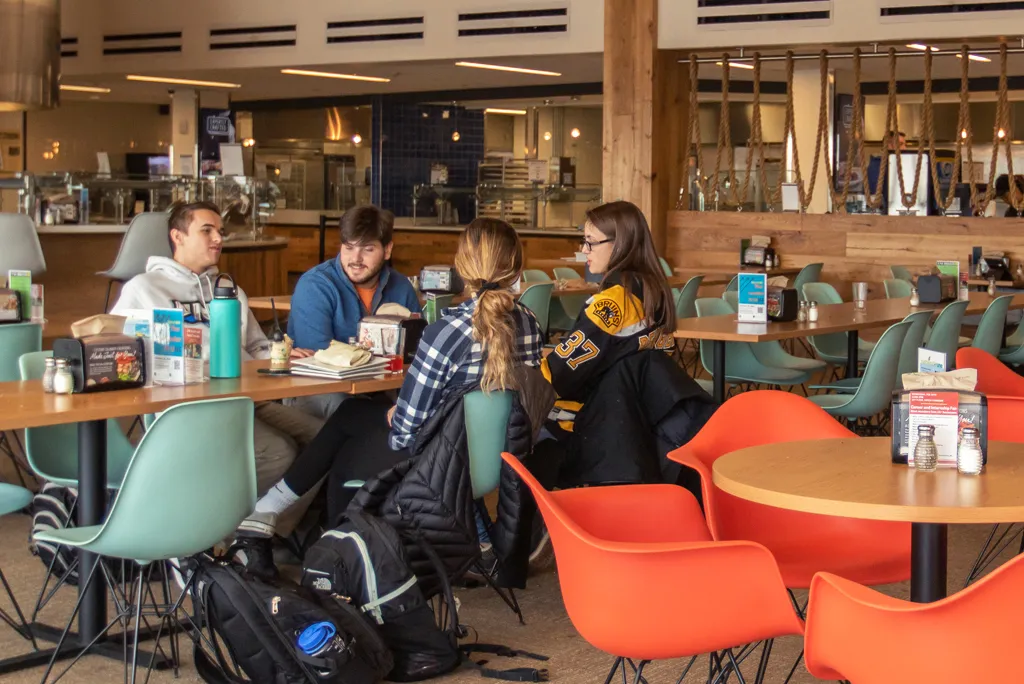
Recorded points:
586,246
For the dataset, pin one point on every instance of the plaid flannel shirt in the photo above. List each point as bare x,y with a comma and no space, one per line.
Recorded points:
448,358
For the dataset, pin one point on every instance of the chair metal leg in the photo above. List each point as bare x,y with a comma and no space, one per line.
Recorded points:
686,670
795,665
22,627
106,300
19,468
762,667
639,677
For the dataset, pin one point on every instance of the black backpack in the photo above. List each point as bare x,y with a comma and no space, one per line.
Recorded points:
363,558
262,624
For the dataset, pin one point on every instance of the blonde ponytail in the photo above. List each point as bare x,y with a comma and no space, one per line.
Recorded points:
490,261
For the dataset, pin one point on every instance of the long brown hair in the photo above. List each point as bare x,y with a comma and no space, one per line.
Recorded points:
489,253
634,260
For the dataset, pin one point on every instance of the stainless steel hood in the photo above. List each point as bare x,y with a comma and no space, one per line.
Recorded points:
29,54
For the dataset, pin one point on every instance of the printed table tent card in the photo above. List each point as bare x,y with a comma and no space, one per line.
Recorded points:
941,410
752,298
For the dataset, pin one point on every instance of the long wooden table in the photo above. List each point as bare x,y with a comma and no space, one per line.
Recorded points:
832,318
25,405
855,478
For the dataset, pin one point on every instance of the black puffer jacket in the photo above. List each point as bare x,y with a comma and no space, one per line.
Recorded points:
430,495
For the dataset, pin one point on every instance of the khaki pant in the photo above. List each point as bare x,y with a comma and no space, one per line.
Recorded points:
281,432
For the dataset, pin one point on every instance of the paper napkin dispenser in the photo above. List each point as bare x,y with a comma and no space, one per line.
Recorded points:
391,335
933,289
103,362
783,303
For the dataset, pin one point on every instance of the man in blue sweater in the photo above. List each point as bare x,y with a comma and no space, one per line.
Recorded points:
330,299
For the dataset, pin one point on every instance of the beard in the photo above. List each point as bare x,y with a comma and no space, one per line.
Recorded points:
367,274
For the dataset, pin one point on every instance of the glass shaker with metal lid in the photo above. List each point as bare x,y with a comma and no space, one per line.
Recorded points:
926,453
969,459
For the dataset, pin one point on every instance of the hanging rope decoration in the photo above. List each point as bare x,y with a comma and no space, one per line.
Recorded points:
908,199
757,142
838,197
1016,199
789,133
725,145
693,139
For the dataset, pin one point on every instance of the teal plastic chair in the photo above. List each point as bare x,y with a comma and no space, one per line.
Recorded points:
874,393
12,500
537,298
566,273
16,339
487,416
896,288
733,285
566,309
945,333
52,451
808,274
665,268
901,273
687,297
833,347
989,335
535,275
772,354
741,364
732,298
174,502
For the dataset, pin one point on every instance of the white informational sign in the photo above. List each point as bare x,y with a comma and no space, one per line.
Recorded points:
941,410
790,197
752,298
102,162
537,170
231,159
929,361
186,166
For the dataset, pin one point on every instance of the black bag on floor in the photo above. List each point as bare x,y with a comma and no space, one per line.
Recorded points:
363,558
280,633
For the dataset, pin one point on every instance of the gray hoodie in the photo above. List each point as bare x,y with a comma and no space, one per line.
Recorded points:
166,284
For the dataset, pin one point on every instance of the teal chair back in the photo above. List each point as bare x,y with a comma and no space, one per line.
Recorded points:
566,273
945,335
17,339
896,288
487,416
52,452
733,285
176,501
989,336
537,298
911,343
808,274
874,393
731,298
568,306
665,268
741,362
901,273
535,275
823,293
685,300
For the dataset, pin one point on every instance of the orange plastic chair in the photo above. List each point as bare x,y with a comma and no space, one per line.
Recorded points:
679,593
870,638
868,551
993,376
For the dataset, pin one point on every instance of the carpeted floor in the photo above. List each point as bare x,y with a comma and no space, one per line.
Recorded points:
548,628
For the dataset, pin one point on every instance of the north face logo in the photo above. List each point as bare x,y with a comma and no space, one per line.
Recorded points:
322,584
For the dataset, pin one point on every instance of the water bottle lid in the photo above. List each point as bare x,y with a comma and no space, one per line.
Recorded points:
220,292
315,638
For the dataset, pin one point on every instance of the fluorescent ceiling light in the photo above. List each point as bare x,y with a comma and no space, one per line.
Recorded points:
975,58
182,81
499,67
493,110
330,74
84,89
922,47
738,65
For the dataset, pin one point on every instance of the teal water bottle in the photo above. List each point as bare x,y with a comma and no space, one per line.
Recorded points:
225,330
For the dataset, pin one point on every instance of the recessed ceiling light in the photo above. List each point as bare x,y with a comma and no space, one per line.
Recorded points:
331,74
922,47
738,65
182,81
575,132
975,58
357,138
494,110
500,67
455,136
84,89
547,135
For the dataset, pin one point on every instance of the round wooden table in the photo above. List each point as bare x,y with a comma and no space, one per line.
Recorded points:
855,478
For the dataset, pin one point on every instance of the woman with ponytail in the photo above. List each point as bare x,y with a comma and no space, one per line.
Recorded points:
481,342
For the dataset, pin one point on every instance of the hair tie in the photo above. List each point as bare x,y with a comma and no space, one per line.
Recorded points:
489,285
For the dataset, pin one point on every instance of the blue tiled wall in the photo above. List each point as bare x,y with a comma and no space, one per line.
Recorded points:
414,136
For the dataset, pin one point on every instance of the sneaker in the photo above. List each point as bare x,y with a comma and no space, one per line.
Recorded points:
259,525
488,563
256,554
542,557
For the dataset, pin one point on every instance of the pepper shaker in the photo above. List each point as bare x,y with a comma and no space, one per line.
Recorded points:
992,287
801,312
926,454
51,370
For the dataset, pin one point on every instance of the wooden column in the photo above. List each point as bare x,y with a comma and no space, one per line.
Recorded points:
646,97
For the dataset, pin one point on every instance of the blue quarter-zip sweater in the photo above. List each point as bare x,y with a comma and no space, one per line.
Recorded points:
326,306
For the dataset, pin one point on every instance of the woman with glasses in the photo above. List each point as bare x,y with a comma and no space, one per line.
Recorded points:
613,373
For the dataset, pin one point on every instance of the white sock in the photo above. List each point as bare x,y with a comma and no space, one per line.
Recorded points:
277,500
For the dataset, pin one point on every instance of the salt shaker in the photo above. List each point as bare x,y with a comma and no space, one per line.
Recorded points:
51,369
926,454
968,453
812,312
63,381
992,287
915,298
965,294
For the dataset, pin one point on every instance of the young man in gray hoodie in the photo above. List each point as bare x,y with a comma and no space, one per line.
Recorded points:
186,282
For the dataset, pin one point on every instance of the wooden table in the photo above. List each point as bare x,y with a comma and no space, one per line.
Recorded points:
25,405
855,478
832,318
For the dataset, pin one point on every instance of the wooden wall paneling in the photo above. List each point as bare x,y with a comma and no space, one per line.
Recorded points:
671,120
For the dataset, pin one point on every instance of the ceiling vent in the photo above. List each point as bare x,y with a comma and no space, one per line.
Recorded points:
142,43
514,22
923,9
750,13
375,30
252,37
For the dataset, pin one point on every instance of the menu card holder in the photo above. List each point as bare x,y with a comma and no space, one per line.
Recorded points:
949,410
